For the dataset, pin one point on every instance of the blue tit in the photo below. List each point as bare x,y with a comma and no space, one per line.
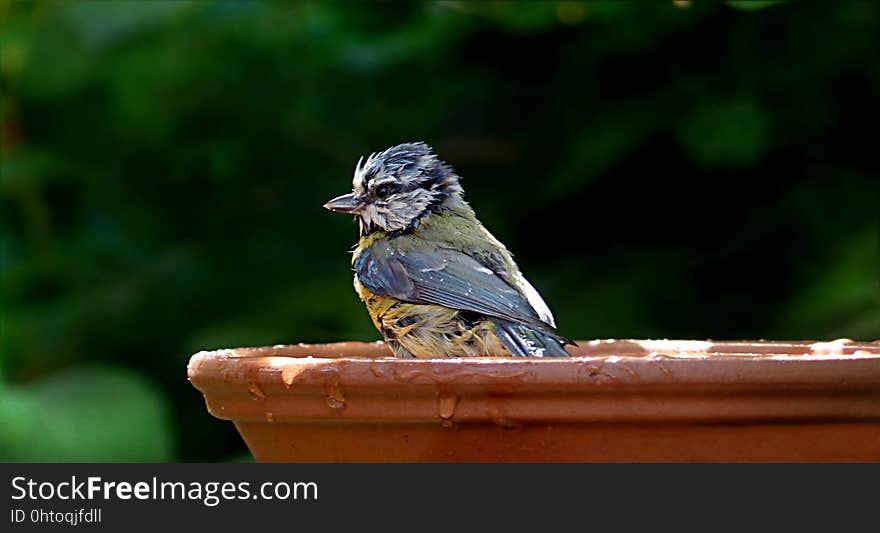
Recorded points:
435,282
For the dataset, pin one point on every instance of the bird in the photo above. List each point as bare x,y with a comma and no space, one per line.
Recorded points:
435,282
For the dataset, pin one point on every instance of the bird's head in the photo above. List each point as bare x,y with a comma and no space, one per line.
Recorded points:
393,189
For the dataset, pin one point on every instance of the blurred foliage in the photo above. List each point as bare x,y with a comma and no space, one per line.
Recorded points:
85,414
678,169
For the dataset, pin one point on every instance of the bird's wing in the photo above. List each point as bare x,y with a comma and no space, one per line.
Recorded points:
447,277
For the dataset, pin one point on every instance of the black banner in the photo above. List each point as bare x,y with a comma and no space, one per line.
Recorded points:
251,497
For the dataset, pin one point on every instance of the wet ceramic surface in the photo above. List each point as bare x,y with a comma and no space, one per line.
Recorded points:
613,400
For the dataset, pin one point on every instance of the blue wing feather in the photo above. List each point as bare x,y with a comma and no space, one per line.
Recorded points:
450,278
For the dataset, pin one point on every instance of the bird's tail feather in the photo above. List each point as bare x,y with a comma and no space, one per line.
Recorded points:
523,341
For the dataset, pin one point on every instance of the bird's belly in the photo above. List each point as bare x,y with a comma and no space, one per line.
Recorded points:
425,331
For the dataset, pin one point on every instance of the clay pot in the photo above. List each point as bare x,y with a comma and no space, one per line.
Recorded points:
612,401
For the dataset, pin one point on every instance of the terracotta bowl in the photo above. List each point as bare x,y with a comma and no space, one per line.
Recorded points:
614,400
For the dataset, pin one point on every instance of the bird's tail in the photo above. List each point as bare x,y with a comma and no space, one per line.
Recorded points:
523,341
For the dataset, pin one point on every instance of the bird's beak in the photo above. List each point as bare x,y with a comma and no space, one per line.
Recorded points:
344,204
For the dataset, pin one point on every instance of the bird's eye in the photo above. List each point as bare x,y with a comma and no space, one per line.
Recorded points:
382,190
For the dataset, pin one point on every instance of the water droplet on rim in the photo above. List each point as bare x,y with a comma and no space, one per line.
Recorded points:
446,406
335,398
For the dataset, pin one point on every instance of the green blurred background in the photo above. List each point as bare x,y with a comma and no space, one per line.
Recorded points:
664,169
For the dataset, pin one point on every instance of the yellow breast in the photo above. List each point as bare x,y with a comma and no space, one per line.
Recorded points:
377,306
425,330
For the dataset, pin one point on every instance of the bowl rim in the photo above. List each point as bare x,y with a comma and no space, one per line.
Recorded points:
605,381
